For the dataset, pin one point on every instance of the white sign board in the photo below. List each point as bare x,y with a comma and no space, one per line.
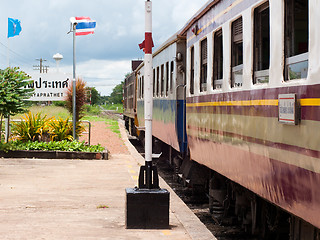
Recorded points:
287,108
50,86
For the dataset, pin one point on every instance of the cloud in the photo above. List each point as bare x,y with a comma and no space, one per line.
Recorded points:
120,27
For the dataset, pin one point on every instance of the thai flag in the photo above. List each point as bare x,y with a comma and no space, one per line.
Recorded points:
84,25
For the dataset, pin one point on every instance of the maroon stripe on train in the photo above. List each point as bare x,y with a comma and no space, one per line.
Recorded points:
290,187
282,146
305,91
307,112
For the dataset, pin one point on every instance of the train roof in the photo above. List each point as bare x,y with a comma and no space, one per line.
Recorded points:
202,11
181,34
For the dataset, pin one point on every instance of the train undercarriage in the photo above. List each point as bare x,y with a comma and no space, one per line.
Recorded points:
231,204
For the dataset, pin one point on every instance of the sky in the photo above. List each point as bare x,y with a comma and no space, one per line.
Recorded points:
103,58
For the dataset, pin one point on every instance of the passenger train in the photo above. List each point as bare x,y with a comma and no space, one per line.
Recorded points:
236,104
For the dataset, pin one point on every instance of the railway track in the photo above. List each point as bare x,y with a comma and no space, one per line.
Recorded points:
199,203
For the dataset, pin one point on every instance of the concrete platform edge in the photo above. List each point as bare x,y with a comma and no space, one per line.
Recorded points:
195,228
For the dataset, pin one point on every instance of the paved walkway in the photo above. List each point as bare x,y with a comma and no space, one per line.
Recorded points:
81,199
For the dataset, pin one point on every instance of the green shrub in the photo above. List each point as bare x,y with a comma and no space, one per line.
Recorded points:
93,110
60,129
33,127
51,146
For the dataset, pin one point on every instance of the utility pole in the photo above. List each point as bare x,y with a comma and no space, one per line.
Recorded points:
41,67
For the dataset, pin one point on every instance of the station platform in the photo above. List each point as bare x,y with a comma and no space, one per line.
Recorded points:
81,199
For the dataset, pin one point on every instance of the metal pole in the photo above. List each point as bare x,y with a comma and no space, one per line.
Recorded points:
148,89
74,120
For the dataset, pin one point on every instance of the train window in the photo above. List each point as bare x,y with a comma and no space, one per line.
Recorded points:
162,80
142,86
192,71
237,53
261,44
154,84
167,78
203,64
171,75
296,39
157,87
139,88
217,60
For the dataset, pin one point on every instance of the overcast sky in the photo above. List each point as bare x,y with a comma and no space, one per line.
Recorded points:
103,58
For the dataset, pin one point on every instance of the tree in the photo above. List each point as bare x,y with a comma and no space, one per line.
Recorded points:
95,96
13,92
117,94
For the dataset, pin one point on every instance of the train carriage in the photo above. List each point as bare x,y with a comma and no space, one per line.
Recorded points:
130,100
253,100
168,124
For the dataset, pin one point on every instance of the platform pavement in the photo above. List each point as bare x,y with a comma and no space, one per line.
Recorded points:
81,199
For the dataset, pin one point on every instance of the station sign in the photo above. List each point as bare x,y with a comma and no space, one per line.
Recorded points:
50,86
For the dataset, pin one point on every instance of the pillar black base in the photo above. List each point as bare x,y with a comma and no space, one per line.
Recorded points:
147,208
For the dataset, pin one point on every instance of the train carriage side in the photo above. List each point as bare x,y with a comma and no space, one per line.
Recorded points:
168,123
253,98
129,103
130,99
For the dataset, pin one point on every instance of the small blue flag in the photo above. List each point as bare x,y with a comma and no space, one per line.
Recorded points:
14,27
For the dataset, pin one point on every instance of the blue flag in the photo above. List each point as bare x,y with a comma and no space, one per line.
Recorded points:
14,27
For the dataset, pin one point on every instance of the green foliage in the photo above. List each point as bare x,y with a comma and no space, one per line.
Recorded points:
113,126
93,110
95,96
51,146
13,91
59,103
61,129
50,111
116,107
117,94
33,127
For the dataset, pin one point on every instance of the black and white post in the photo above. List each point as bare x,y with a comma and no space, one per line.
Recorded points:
147,206
148,89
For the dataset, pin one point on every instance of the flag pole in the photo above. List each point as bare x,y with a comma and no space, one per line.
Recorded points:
74,82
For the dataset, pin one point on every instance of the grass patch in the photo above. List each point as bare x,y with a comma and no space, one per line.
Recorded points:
94,118
50,111
113,126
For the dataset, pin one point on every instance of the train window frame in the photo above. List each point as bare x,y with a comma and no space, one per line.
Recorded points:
261,37
142,87
217,64
192,76
171,75
296,58
154,82
162,89
167,78
203,64
157,82
139,87
237,52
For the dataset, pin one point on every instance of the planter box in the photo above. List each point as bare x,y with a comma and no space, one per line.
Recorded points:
54,154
